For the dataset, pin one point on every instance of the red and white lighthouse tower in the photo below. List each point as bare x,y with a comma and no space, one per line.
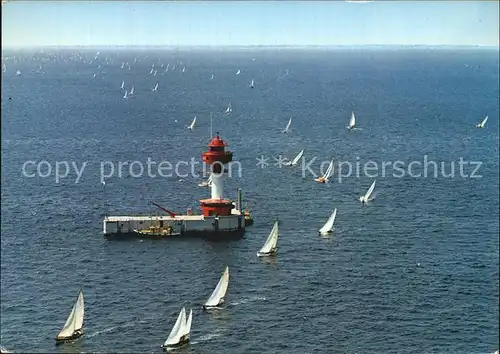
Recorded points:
216,157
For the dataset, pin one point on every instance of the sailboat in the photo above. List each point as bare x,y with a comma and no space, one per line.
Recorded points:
126,94
212,77
192,123
252,84
73,328
269,248
183,69
152,69
287,129
3,350
238,72
366,198
328,227
131,91
229,109
207,183
352,121
481,125
123,85
180,333
328,173
217,298
19,72
295,159
156,87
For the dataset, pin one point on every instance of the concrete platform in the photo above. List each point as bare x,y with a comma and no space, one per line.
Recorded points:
212,227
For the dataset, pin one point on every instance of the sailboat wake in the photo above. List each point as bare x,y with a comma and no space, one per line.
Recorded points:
207,337
113,329
104,331
244,301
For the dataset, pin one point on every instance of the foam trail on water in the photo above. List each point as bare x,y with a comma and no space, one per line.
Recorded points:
106,330
244,301
208,337
112,329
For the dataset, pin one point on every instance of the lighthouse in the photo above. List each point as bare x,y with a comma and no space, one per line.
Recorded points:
219,218
216,157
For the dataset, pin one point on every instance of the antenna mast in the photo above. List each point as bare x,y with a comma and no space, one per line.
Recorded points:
211,135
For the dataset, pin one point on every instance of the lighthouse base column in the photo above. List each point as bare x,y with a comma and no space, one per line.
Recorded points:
217,186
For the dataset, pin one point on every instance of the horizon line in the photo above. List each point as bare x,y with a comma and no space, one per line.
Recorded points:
175,46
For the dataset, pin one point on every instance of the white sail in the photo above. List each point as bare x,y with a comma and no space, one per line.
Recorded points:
296,159
217,297
177,332
366,197
238,72
126,94
192,123
206,183
156,87
212,77
352,121
329,171
183,69
287,129
186,330
131,91
229,108
329,224
252,84
152,69
481,125
123,84
74,321
271,242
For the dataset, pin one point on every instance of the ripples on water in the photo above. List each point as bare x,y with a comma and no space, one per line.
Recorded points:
415,271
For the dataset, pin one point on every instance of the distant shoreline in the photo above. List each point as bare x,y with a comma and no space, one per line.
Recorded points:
253,47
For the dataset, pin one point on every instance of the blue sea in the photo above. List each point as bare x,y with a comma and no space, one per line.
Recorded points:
414,271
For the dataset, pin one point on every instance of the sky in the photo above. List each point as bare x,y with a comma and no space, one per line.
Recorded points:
242,23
